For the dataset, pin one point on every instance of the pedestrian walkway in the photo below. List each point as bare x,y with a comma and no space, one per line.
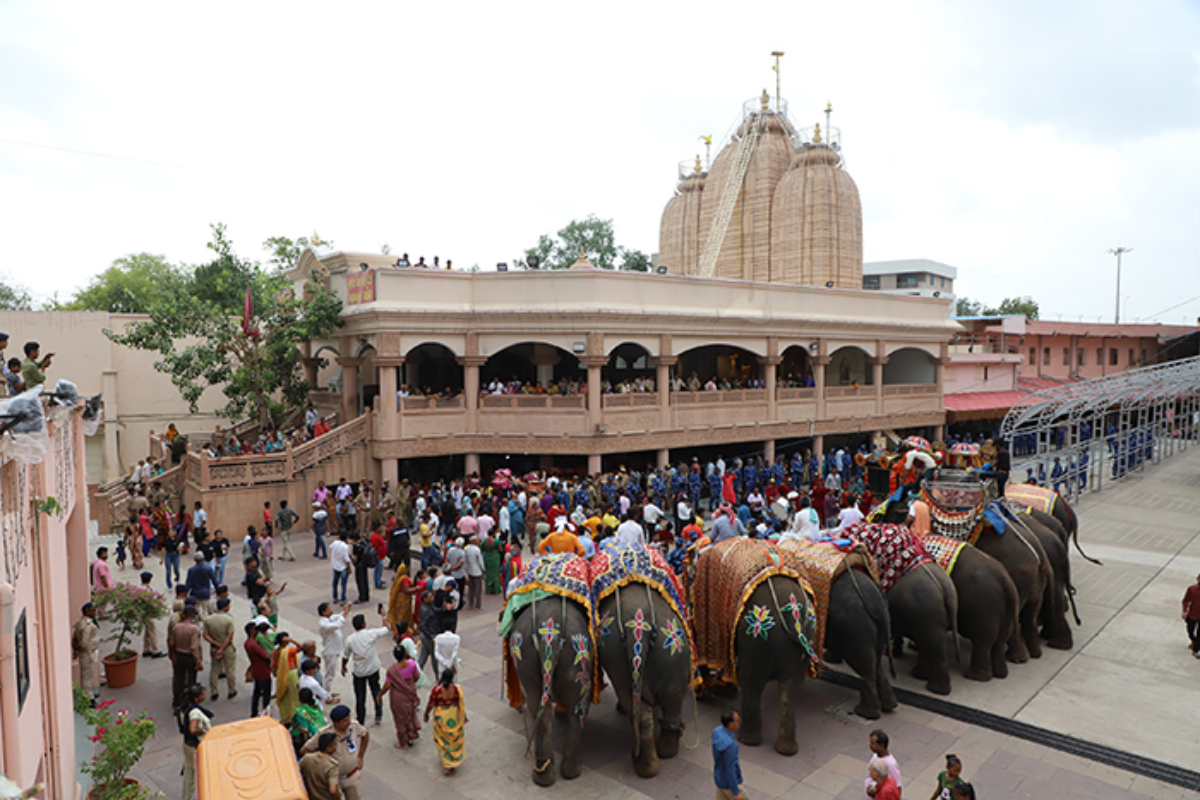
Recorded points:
1129,683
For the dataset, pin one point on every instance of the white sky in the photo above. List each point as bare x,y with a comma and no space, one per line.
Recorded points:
1017,141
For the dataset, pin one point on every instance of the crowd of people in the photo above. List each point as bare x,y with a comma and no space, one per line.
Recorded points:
20,375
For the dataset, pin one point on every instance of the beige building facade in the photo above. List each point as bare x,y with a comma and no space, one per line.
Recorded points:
811,362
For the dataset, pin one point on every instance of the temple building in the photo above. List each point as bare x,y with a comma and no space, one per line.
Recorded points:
776,206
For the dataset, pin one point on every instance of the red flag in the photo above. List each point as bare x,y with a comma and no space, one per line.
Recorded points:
247,313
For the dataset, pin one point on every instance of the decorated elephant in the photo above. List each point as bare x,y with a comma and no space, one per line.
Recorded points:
755,622
853,623
922,599
550,656
1050,502
1060,595
988,603
644,644
988,528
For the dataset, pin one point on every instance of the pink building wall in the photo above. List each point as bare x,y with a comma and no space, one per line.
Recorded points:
43,575
1134,345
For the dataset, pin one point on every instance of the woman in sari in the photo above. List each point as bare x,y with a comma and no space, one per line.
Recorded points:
405,638
491,565
449,717
512,564
516,519
285,663
401,683
309,719
400,602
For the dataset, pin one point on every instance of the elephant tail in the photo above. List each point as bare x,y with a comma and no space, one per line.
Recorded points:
950,603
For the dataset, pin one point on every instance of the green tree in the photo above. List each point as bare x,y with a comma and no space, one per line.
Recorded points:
966,307
130,286
598,241
202,342
284,252
1026,306
14,297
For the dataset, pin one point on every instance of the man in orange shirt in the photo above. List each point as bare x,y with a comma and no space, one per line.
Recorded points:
918,518
561,541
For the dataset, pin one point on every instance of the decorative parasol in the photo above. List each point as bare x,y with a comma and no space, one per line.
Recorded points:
918,442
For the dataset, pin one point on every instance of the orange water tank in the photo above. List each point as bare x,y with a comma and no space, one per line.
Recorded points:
252,758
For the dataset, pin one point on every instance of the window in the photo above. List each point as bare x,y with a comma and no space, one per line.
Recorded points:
907,280
1130,362
1046,356
1112,356
870,281
1066,356
1099,356
985,374
1143,357
1032,356
1082,356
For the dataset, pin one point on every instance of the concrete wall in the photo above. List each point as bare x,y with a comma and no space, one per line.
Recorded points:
137,397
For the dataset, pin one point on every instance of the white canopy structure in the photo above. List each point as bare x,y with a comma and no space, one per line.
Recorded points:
1104,428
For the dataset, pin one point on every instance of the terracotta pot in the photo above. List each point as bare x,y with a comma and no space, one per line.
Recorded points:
120,673
91,795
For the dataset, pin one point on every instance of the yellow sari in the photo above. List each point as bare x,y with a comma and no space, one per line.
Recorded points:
400,604
448,719
287,681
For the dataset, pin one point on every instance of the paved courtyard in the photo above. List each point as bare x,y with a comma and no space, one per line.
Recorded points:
1129,683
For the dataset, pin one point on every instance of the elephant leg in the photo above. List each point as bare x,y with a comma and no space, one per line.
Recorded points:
1018,652
1029,628
751,731
572,746
999,662
861,658
983,658
670,728
883,686
543,749
645,762
785,741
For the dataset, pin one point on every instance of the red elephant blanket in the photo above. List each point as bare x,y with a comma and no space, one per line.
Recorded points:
894,548
944,550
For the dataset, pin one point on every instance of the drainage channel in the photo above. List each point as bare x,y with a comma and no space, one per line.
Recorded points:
1121,759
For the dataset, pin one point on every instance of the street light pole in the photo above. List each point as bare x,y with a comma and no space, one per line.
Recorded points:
1118,252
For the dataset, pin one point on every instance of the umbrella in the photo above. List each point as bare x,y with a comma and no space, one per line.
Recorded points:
965,449
918,442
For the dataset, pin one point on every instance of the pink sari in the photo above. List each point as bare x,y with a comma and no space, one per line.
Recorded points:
402,694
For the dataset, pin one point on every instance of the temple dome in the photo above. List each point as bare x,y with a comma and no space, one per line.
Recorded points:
816,230
678,238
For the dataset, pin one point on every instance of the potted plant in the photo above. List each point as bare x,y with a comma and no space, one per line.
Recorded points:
128,608
122,741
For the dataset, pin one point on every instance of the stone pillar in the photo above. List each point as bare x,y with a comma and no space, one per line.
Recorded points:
113,469
877,373
471,365
819,364
594,462
819,447
471,463
663,458
939,433
662,384
770,371
595,407
387,404
544,364
349,409
769,451
310,371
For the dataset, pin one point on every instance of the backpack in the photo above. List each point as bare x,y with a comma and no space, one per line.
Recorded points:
369,556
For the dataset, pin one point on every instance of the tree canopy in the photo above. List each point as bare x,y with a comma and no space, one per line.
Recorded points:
598,241
14,297
203,340
130,286
1025,306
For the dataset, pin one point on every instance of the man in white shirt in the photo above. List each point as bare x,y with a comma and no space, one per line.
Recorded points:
330,626
339,562
456,562
360,648
651,514
445,651
848,517
199,517
629,532
805,524
344,492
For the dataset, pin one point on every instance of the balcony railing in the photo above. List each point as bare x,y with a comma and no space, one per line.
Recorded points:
634,400
543,401
832,392
796,393
433,403
729,396
909,389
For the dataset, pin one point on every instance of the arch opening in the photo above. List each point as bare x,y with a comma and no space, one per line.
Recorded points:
909,365
848,366
532,368
719,366
431,369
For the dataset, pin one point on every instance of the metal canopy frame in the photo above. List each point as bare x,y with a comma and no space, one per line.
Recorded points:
1106,427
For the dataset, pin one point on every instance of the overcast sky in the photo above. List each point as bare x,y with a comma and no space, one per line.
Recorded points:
1017,141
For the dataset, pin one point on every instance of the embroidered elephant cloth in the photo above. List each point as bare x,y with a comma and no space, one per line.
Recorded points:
823,563
895,549
944,550
726,574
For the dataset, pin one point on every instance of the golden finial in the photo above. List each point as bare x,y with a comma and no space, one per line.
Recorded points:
697,163
817,134
765,100
582,255
316,240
